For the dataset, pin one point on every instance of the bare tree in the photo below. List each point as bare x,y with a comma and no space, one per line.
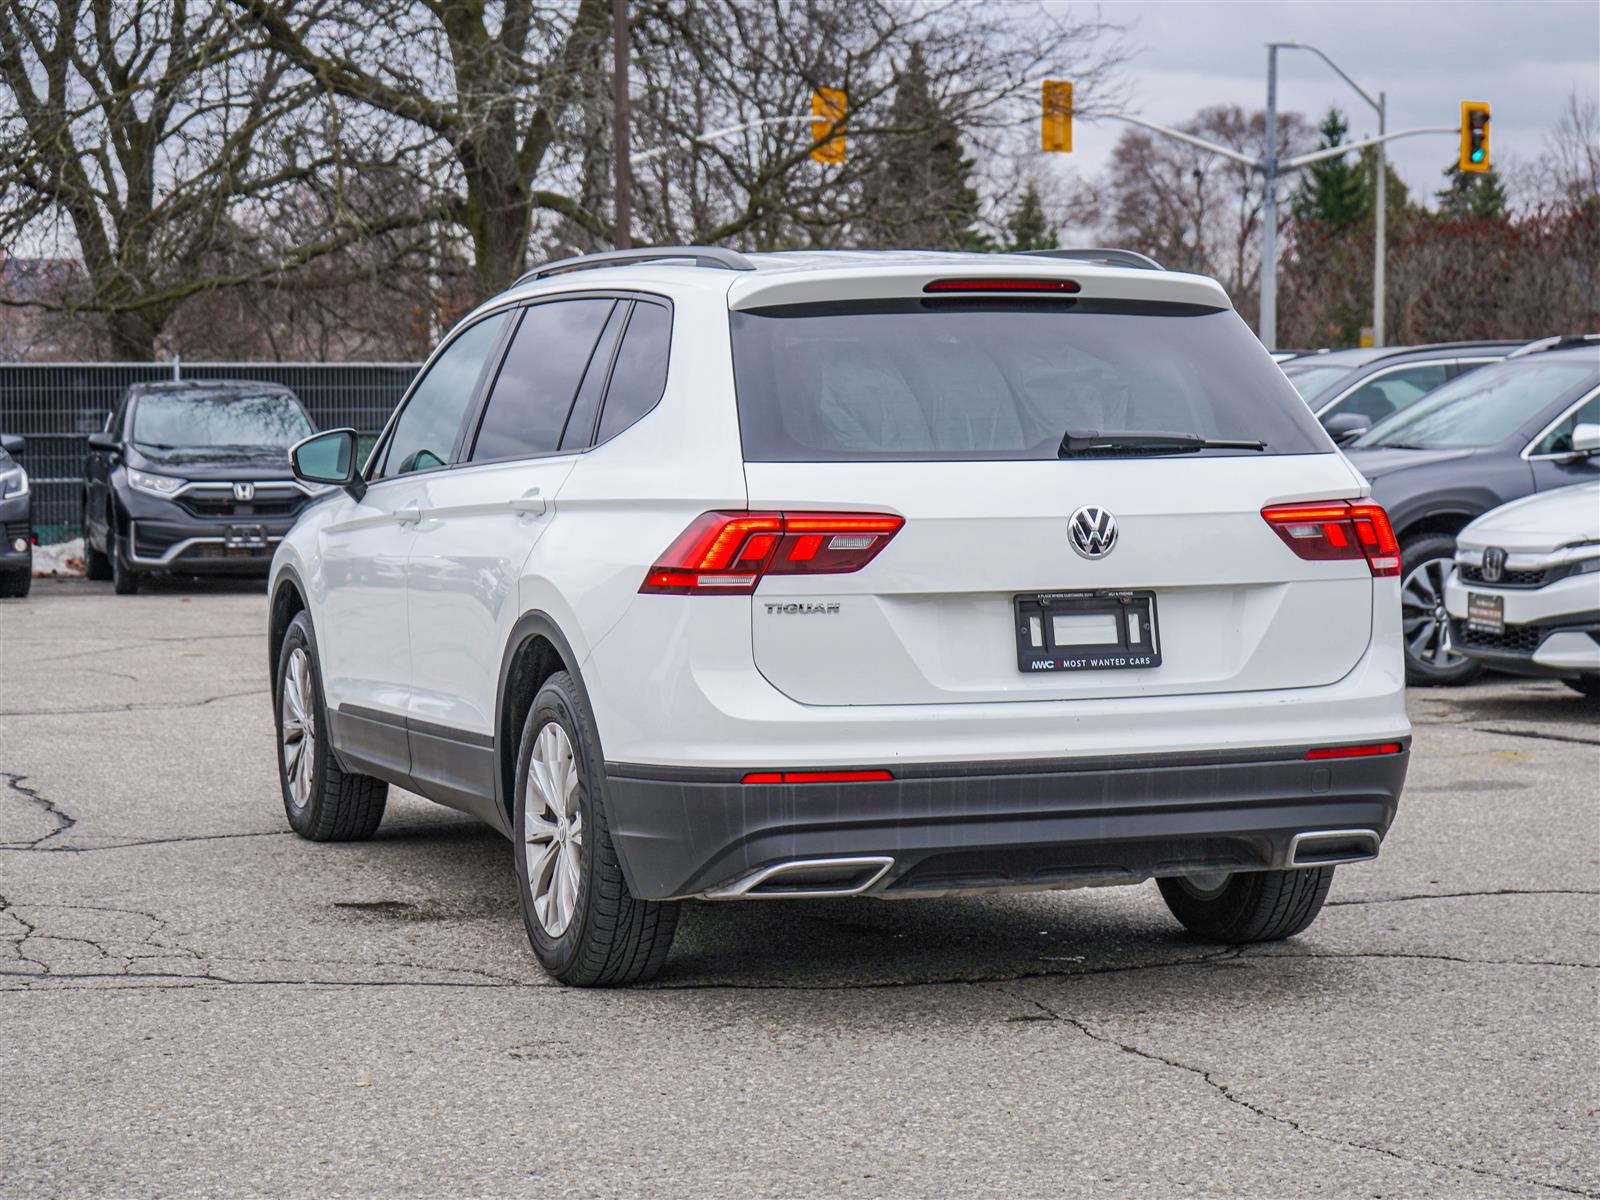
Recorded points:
1569,169
153,140
485,89
1194,210
707,65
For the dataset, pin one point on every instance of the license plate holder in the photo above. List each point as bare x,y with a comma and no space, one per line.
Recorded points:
244,537
1485,613
1087,631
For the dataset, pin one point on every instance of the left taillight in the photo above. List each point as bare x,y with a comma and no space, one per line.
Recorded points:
1337,529
728,553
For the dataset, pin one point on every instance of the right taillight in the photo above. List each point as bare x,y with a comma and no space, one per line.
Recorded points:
1334,529
728,553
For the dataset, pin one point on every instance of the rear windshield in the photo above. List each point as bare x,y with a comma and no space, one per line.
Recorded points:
882,381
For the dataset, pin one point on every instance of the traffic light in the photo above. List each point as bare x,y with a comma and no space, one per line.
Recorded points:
828,108
1055,127
1474,135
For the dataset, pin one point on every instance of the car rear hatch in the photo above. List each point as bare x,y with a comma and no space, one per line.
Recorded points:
949,411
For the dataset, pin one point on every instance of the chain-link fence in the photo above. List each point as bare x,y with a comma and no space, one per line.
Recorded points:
57,405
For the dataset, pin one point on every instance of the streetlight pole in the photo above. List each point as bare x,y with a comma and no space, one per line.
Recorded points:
1269,210
1379,253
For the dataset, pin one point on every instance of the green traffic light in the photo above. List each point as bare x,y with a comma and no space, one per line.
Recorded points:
1477,156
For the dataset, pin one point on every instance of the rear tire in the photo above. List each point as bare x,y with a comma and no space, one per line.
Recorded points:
124,579
324,802
14,585
1425,563
1585,685
586,927
1248,906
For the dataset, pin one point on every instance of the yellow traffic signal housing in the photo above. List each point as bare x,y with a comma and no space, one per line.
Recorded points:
828,108
1474,135
1055,128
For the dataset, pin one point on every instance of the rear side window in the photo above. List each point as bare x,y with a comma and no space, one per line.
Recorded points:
534,391
882,381
1392,391
640,375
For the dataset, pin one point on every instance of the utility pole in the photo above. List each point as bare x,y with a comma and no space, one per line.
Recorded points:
1269,211
1379,249
619,123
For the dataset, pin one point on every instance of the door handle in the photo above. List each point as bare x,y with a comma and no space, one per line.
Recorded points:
408,516
532,503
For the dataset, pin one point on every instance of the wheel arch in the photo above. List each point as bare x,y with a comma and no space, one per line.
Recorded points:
535,650
288,600
1449,521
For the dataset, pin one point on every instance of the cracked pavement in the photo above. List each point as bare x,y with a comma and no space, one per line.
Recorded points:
192,1000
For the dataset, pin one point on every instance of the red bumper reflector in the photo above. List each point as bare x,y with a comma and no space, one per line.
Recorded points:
817,777
1354,751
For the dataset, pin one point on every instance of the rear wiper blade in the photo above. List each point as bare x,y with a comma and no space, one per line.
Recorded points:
1091,441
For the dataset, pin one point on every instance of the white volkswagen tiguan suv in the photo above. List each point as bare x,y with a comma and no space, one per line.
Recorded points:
795,575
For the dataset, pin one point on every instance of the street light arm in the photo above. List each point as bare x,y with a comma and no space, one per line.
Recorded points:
1360,91
1289,164
1245,159
727,131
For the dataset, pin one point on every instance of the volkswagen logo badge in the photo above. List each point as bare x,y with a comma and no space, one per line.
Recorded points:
1494,564
244,492
1092,531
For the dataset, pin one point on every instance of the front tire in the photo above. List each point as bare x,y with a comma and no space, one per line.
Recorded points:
124,579
324,802
14,585
585,926
1585,685
1248,906
1431,659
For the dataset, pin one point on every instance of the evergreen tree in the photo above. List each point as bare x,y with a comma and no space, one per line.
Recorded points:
921,193
1399,197
1334,191
1027,228
1472,195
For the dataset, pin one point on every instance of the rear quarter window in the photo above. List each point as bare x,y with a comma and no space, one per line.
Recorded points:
942,379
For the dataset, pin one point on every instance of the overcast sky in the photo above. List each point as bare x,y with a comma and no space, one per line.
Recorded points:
1523,56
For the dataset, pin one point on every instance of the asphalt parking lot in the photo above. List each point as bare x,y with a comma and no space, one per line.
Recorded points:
194,1000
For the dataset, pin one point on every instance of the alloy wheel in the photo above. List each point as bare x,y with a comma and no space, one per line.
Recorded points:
1423,618
299,737
553,829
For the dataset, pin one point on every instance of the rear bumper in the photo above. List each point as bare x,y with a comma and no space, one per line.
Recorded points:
999,826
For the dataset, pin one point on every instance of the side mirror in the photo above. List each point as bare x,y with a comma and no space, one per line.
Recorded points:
1586,439
104,441
329,458
11,443
1344,428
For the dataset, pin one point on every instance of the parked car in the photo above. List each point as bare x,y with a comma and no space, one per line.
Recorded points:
1352,390
823,574
1500,433
16,522
1525,594
192,477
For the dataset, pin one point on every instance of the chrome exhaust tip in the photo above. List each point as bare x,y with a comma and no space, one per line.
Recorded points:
1330,847
807,879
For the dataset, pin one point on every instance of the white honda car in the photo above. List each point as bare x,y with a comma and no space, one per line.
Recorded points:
1525,594
705,576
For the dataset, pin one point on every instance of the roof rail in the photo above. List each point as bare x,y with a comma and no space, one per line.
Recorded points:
700,256
1112,258
1560,341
